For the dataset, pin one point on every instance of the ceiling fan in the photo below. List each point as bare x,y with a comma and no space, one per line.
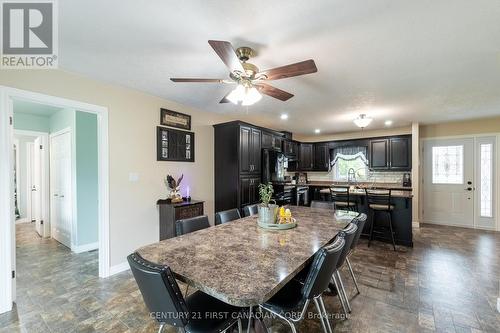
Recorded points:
249,79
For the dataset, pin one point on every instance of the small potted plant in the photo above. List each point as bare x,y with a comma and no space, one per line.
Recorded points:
267,210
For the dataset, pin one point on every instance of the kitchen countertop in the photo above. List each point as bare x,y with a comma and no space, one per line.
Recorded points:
397,189
242,264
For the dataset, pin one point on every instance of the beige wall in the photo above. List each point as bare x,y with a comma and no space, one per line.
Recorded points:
133,117
469,127
354,135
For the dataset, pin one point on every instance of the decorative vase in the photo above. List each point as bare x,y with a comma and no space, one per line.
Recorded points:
268,214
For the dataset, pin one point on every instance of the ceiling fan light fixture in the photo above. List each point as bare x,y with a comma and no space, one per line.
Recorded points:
362,121
252,96
237,94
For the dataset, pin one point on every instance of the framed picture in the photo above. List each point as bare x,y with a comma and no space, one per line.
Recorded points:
175,119
174,145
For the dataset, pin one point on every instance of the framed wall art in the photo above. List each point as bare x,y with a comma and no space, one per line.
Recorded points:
174,145
175,119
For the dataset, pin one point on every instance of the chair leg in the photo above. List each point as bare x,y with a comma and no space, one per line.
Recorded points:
392,232
240,326
186,292
344,292
339,294
161,328
352,274
249,319
325,313
321,316
372,220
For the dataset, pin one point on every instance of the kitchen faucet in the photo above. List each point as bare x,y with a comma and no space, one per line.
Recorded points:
351,175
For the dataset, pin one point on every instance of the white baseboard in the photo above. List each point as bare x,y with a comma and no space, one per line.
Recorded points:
85,248
118,268
415,224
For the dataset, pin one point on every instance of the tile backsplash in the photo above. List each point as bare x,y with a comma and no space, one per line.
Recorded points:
374,176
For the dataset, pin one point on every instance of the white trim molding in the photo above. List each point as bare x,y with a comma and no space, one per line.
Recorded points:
85,247
119,268
7,219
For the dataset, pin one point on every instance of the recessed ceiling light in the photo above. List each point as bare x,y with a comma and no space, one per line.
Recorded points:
388,123
284,116
317,131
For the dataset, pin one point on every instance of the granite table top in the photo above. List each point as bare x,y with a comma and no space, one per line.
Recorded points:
242,264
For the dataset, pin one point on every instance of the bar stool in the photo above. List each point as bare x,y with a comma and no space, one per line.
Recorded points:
379,201
341,198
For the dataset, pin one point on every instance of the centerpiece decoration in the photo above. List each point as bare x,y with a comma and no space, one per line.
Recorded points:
174,187
268,211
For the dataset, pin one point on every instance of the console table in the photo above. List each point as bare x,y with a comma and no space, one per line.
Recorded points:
171,212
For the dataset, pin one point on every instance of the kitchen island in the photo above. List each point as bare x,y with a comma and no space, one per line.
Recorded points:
401,198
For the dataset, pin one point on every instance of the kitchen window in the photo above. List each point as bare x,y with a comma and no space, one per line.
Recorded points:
347,159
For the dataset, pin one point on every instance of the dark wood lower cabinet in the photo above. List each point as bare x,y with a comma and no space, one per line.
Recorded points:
169,213
249,190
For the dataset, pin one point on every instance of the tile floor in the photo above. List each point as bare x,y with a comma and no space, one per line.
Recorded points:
449,282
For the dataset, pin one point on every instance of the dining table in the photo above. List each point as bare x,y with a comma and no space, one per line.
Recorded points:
241,263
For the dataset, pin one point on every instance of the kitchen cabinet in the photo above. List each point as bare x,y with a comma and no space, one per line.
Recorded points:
306,155
271,141
249,190
250,145
321,156
290,148
392,153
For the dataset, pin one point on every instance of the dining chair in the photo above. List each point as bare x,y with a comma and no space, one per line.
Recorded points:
186,226
227,216
166,304
342,199
322,204
380,201
251,210
360,223
291,301
348,233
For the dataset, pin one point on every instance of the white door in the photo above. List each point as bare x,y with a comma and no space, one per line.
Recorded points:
60,189
36,190
448,196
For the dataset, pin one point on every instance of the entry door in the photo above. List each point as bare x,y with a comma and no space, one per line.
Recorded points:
60,188
448,194
36,188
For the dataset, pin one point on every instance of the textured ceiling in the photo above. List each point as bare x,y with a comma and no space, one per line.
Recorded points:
428,61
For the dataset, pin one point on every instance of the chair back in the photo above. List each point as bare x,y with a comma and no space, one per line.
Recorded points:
322,204
251,210
322,268
380,197
186,226
227,216
348,233
360,223
159,291
340,193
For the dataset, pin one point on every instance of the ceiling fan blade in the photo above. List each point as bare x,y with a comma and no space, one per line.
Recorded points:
283,72
224,99
273,92
226,52
177,79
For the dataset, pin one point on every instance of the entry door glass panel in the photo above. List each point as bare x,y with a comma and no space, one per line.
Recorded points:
485,182
448,165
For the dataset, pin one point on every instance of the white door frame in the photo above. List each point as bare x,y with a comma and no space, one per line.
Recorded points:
45,177
7,219
496,163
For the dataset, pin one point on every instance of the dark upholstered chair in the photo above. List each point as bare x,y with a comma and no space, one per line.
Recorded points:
380,202
290,302
348,233
186,226
360,223
251,210
322,204
167,305
227,216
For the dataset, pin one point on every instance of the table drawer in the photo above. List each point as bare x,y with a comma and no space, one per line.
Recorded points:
187,212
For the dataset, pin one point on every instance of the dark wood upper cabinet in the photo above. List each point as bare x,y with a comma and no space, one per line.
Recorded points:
400,153
321,156
392,153
290,148
250,150
379,154
306,156
271,141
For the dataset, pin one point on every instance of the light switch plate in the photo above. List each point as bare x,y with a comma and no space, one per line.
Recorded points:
133,177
